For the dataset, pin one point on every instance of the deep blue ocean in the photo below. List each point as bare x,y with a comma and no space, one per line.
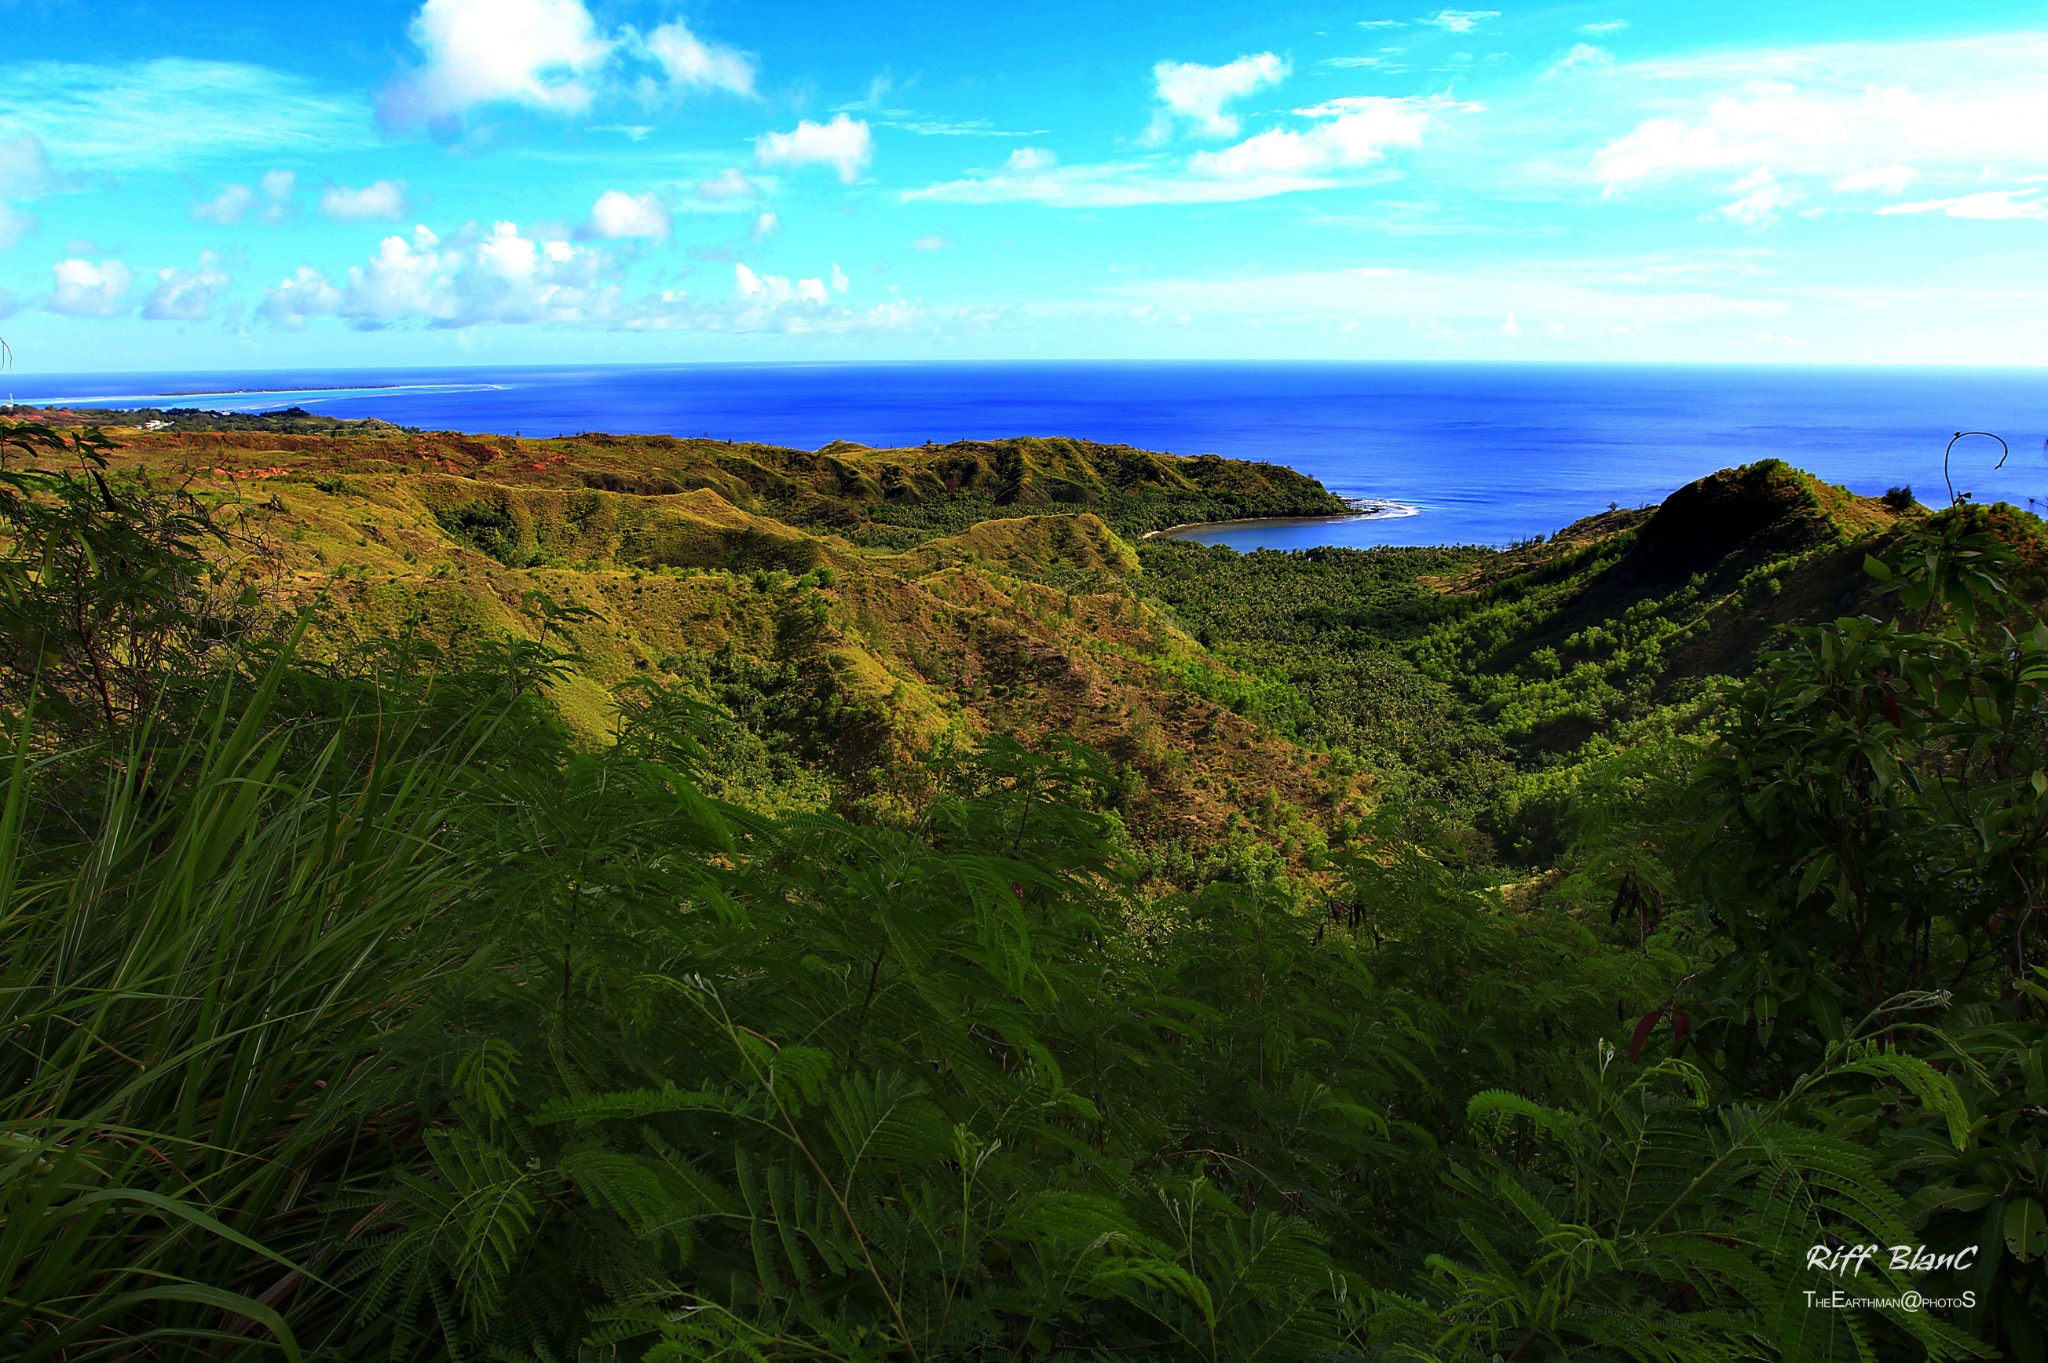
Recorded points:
1480,453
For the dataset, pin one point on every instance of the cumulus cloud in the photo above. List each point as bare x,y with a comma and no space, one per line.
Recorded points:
844,144
186,295
1196,94
933,242
1459,20
492,276
383,201
694,64
229,206
540,53
278,187
235,201
1348,132
766,302
479,276
1998,205
85,289
618,215
766,292
727,184
500,275
765,226
550,55
1582,55
303,294
1603,27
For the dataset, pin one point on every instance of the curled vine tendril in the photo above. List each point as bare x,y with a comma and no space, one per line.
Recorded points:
1953,499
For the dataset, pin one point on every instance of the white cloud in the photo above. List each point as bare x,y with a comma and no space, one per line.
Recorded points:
617,215
933,242
844,144
1603,27
146,115
229,206
1999,205
727,184
1349,132
1761,200
383,201
278,186
24,174
766,301
1382,23
1385,64
694,64
1197,93
1459,20
1583,55
765,226
1832,111
956,127
550,55
501,276
25,167
186,295
771,303
234,201
1345,135
304,294
748,285
88,290
476,277
1877,179
544,54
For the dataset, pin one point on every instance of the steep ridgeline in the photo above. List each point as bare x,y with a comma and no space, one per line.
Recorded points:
1484,679
884,498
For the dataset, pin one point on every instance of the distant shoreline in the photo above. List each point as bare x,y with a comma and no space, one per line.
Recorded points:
1366,511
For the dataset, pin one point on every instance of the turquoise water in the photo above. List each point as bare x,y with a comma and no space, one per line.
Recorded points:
1480,453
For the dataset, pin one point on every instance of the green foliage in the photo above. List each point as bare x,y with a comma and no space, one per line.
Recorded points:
488,528
1646,1223
104,588
351,1012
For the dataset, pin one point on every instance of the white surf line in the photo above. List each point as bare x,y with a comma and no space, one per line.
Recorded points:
312,394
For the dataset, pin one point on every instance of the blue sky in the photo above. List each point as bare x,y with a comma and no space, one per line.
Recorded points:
241,185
